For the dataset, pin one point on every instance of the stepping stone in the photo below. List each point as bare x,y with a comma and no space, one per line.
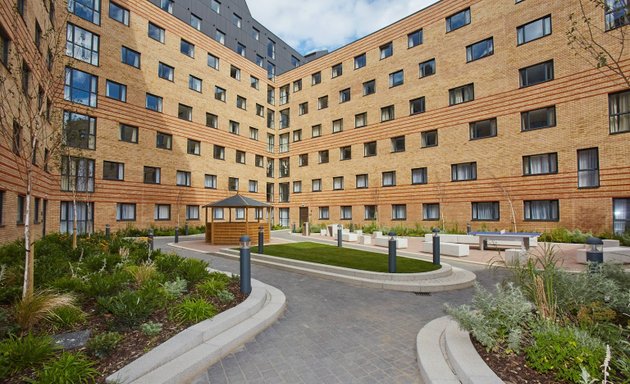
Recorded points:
73,340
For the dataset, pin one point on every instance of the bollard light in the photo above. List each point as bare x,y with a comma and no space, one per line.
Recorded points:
594,252
151,239
245,265
392,235
391,254
339,235
436,246
176,235
245,242
261,239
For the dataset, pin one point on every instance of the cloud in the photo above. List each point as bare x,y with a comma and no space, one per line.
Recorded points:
328,24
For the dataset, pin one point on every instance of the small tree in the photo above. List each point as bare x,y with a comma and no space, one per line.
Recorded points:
30,87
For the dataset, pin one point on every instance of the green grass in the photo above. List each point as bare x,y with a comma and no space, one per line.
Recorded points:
345,257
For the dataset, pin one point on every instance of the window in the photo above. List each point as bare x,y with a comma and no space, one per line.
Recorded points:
362,181
219,36
195,21
80,43
387,113
621,215
219,93
337,70
337,125
259,161
125,212
156,33
536,74
617,14
338,183
271,49
85,217
533,30
323,156
485,211
4,47
419,176
284,94
429,139
89,10
345,153
166,72
237,21
398,144
212,120
260,110
21,7
271,118
241,102
427,68
116,91
344,95
458,20
260,61
77,174
619,112
192,212
79,130
163,140
414,38
303,160
297,85
389,179
167,5
255,34
386,50
194,83
316,130
588,168
80,87
240,157
360,120
297,187
233,184
213,61
369,149
295,62
303,108
322,102
130,57
253,133
26,77
187,48
461,94
184,112
16,138
541,210
20,209
399,212
345,212
254,82
118,13
316,78
431,211
324,213
297,135
416,106
128,133
482,129
538,118
193,147
285,119
369,87
360,61
271,70
316,185
270,167
152,175
479,50
218,152
215,6
369,212
464,171
113,171
210,181
154,102
235,72
182,178
217,213
397,78
542,164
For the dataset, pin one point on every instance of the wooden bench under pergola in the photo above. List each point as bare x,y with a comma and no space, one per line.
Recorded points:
229,231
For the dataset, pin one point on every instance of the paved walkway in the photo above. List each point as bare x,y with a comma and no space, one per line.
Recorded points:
333,332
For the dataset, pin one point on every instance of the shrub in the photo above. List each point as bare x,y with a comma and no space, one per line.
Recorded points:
131,307
211,287
168,264
70,284
192,311
193,271
101,262
69,368
108,284
66,317
495,320
219,276
18,353
175,288
30,310
565,351
150,328
143,272
103,345
225,296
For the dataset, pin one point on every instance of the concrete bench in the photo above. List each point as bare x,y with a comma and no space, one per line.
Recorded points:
365,239
382,241
449,249
609,243
616,255
448,238
347,236
358,231
323,232
515,256
376,234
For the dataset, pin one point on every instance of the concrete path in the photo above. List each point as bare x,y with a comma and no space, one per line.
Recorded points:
333,332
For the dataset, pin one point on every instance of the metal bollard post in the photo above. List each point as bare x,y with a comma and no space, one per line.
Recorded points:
151,240
436,246
339,235
107,231
186,229
176,235
261,239
246,271
392,253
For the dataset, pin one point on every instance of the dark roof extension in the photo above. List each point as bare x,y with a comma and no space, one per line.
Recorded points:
238,201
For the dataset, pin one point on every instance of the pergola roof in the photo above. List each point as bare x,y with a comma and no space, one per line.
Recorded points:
238,201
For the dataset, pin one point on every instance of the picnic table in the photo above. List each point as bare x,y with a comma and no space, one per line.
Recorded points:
523,237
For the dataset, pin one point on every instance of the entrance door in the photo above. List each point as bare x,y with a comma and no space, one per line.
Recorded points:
303,215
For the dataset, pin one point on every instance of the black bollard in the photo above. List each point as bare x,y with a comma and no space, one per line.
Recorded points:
246,271
594,253
261,239
436,246
392,253
107,231
339,236
151,240
176,235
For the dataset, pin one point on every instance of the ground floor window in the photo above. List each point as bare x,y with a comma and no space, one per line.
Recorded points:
399,212
370,212
431,211
85,217
541,210
284,217
192,212
621,215
486,211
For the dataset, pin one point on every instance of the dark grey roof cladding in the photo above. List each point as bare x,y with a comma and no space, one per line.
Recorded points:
238,201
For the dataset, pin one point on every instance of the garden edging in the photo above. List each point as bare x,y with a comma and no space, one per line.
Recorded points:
185,355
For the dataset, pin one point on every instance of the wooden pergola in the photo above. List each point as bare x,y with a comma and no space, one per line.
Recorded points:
229,232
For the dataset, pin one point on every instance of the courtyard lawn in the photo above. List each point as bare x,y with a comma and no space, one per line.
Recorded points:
345,257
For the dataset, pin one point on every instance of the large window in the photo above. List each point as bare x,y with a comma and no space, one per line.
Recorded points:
183,178
369,212
480,50
538,118
542,164
125,212
461,94
621,215
617,13
464,171
458,20
77,174
113,171
89,10
156,33
324,213
431,211
119,13
82,44
152,175
192,212
536,74
541,210
485,211
399,212
533,30
619,112
79,130
80,87
85,217
482,129
162,212
588,168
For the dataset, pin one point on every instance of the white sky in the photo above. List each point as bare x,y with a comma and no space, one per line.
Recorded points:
309,25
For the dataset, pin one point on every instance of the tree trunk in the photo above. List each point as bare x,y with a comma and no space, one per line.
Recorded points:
29,263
